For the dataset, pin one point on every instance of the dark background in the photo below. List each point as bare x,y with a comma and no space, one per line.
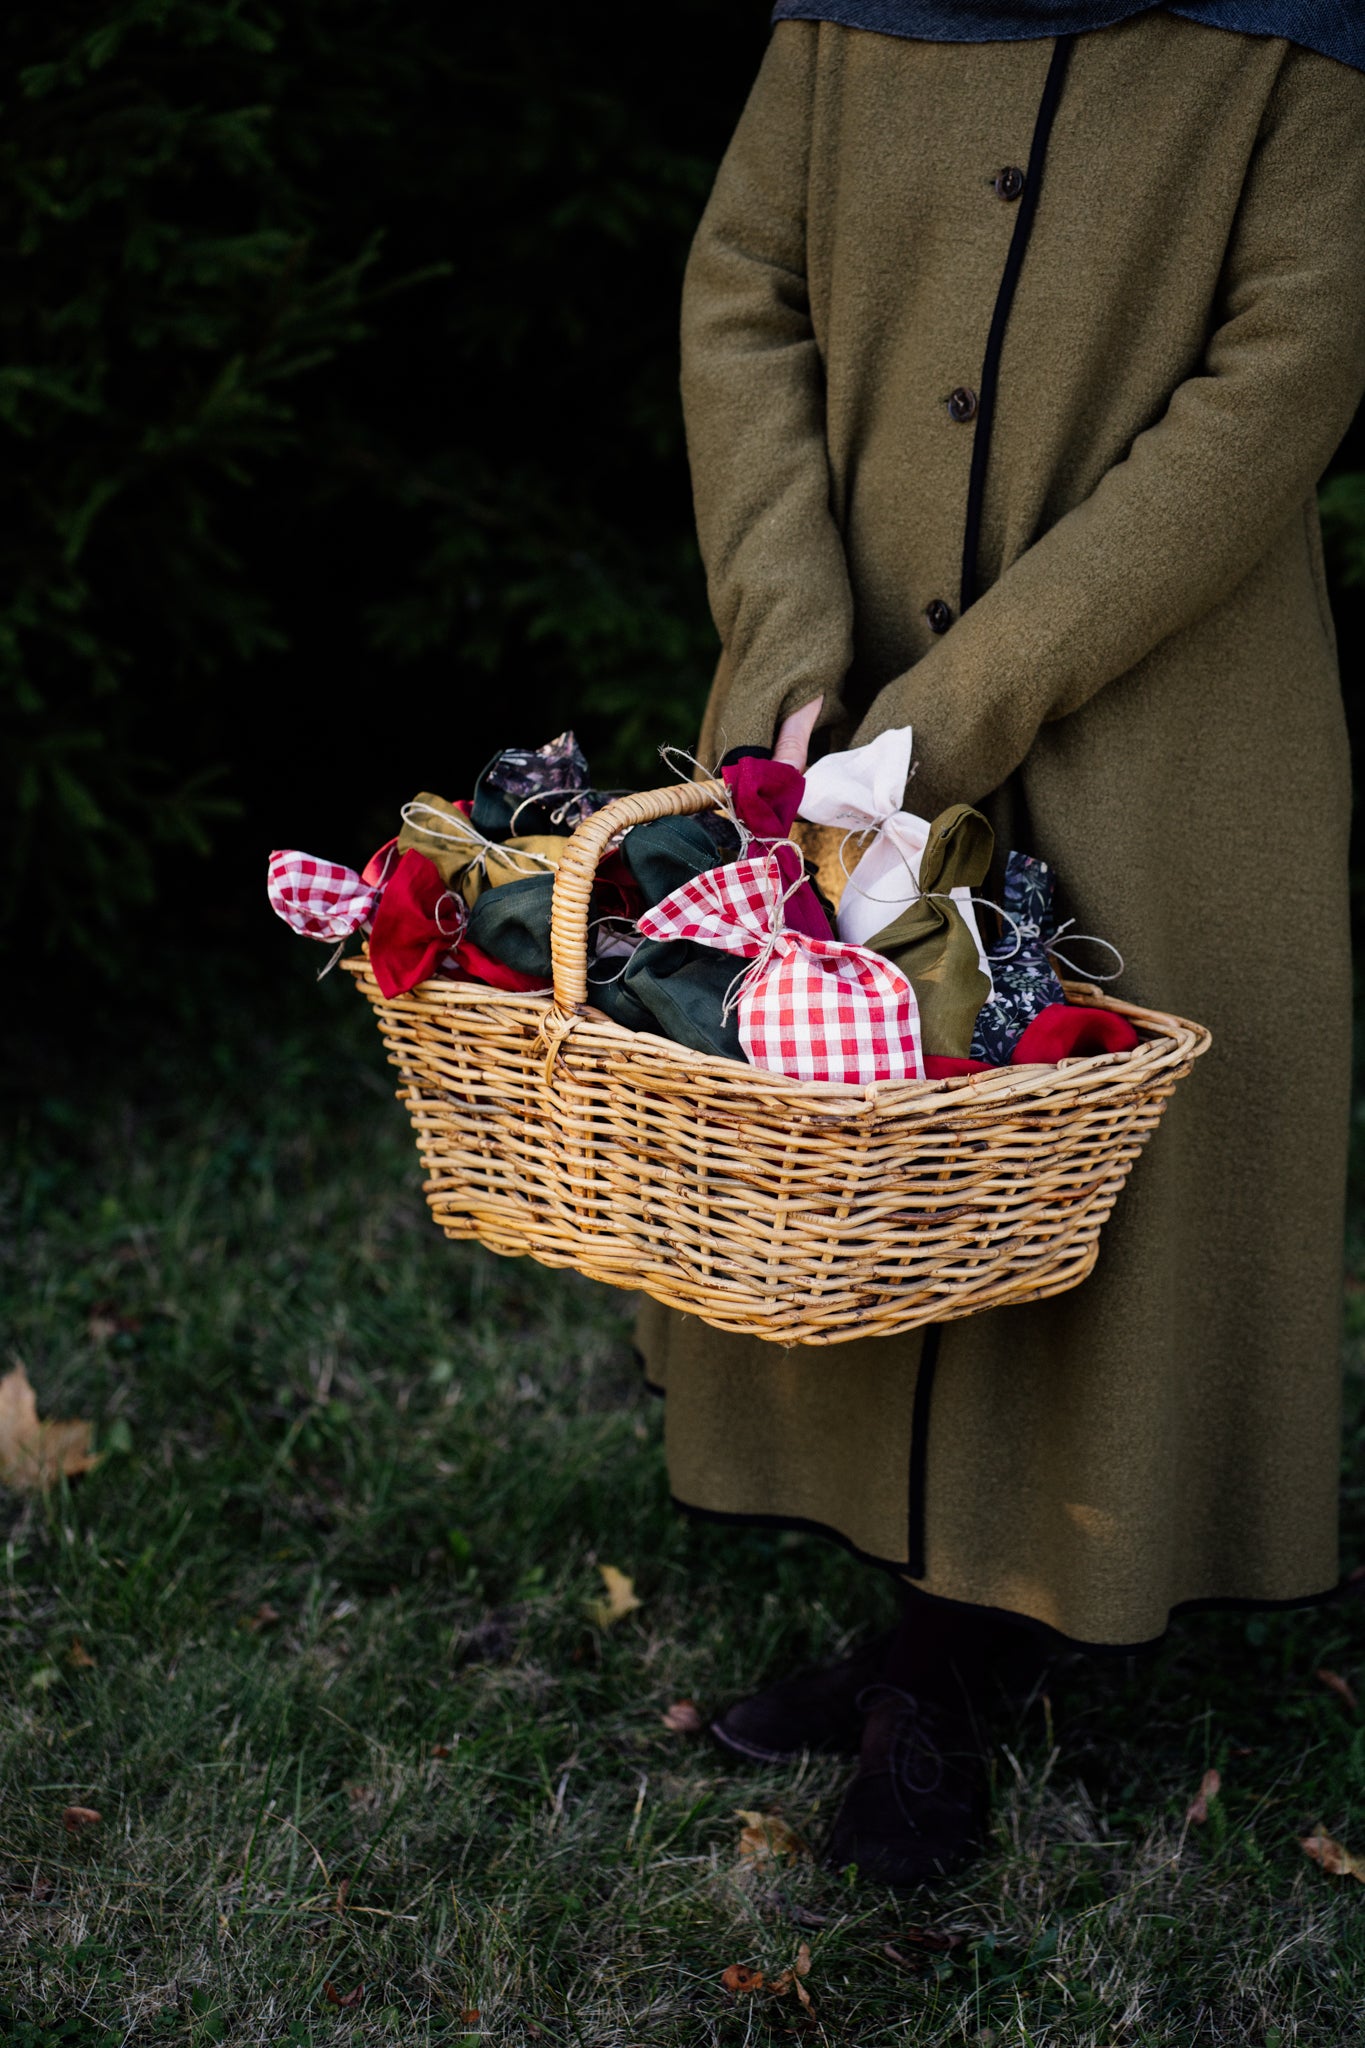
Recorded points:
342,441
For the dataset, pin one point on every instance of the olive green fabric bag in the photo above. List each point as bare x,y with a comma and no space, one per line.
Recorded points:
466,864
931,942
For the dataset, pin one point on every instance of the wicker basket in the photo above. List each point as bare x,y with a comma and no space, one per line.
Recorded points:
803,1212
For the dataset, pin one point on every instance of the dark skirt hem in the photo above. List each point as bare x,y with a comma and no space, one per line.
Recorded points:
1213,1604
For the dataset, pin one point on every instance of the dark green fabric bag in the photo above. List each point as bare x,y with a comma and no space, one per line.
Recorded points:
670,851
675,986
615,1000
512,923
682,986
931,942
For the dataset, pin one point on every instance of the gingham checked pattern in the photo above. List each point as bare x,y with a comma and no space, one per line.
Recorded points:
814,1009
317,898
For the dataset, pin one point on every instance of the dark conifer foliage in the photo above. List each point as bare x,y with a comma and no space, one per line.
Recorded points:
341,439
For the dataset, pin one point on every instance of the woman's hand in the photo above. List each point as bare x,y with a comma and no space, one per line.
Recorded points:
793,735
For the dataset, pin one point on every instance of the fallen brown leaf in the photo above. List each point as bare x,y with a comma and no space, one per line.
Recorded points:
108,1320
621,1599
79,1655
471,2015
790,1980
33,1454
265,1617
74,1818
1210,1785
334,1997
441,1749
765,1836
1335,1858
682,1718
922,1937
364,1798
739,1977
1342,1687
343,1892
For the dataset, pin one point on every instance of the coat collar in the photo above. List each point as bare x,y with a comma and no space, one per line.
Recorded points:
1334,28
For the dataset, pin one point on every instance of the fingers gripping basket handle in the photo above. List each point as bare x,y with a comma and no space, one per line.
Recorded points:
578,867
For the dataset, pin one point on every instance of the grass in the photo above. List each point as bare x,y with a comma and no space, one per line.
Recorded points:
313,1640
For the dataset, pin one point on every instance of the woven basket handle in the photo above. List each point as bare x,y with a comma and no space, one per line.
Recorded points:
578,867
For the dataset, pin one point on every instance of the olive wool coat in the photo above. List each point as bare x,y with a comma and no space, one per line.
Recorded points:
1009,370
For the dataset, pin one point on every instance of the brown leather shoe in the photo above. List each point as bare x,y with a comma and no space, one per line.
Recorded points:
813,1710
916,1810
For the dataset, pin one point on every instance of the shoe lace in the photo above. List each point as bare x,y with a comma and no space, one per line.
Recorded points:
914,1759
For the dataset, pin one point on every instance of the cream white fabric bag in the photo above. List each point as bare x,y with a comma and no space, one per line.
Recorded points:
862,791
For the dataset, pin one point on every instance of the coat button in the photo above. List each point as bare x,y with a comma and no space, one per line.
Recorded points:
939,615
962,405
1008,183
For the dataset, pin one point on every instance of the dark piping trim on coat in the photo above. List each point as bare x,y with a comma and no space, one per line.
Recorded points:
1004,300
919,1453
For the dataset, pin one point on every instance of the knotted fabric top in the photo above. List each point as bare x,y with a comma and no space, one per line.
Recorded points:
316,897
862,791
813,1009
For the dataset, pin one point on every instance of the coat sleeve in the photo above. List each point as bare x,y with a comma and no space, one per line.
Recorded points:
1174,528
754,405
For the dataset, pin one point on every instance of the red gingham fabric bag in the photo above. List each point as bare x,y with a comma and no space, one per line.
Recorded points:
317,898
813,1009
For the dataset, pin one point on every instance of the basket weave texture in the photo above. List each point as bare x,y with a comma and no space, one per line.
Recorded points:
802,1212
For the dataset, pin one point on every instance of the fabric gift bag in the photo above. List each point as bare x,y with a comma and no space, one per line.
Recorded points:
767,797
930,941
466,860
862,791
316,898
813,1009
537,790
1024,978
673,987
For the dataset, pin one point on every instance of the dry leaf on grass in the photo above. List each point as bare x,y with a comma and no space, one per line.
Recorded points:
1342,1687
74,1818
920,1937
803,1916
1335,1858
364,1798
33,1454
471,2015
335,1997
790,1980
766,1836
265,1617
1210,1785
682,1718
743,1981
739,1977
621,1598
79,1655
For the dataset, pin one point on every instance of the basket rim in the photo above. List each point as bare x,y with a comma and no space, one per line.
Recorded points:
1166,1040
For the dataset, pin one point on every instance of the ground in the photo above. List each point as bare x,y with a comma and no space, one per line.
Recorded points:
315,1642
